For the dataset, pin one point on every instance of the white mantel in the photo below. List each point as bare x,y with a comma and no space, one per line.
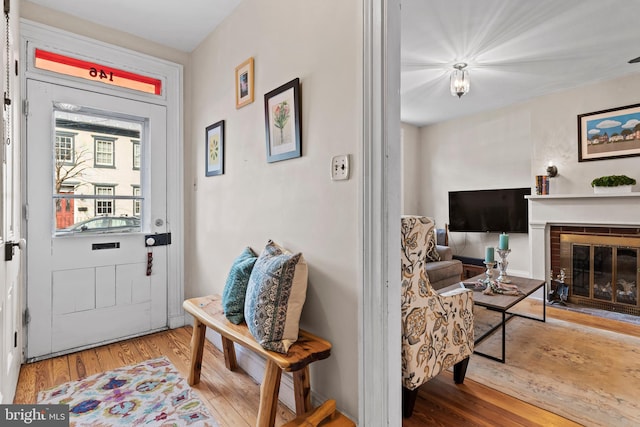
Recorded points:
613,210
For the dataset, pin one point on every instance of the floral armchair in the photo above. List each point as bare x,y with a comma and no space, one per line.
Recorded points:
437,329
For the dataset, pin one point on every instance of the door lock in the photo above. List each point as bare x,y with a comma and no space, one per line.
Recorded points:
161,239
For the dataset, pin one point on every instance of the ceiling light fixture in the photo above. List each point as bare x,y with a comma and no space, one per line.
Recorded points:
459,80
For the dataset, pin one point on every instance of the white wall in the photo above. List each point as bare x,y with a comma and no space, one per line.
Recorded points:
411,169
508,147
293,202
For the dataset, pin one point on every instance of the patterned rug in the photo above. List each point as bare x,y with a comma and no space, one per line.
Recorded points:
588,375
151,393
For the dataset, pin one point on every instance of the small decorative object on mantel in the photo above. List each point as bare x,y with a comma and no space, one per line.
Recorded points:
542,185
612,184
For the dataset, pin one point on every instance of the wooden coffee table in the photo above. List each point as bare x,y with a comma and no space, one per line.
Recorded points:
502,304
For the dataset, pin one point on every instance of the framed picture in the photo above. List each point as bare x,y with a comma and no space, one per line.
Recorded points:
214,149
609,134
282,122
244,83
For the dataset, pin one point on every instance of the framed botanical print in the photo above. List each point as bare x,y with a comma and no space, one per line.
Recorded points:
214,149
283,122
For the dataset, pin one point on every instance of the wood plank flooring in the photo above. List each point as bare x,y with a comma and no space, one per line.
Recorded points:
234,397
443,403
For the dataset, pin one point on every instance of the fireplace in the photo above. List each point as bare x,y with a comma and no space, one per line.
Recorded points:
601,266
603,272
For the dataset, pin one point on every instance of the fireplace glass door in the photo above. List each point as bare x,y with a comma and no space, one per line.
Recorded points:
602,271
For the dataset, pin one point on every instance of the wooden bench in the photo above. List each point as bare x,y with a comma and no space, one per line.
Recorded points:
207,312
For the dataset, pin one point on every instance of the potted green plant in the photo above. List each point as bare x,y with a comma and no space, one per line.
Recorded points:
612,184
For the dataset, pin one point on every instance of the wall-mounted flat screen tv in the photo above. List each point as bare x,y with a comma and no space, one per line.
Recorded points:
503,210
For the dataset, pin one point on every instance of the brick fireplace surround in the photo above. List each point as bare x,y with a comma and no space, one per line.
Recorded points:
552,215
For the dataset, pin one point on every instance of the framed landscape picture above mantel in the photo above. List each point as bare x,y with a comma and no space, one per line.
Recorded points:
282,122
609,134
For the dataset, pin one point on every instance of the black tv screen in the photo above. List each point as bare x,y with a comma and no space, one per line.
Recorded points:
503,210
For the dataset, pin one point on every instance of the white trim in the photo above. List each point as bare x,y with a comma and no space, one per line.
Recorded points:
34,34
379,347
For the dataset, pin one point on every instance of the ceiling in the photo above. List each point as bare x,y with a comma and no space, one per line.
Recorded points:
516,49
180,24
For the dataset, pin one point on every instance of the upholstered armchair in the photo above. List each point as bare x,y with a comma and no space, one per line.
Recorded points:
437,329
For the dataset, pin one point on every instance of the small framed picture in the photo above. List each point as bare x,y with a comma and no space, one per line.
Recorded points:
214,149
609,134
283,122
244,83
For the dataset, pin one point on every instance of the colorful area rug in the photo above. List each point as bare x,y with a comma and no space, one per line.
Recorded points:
588,375
152,393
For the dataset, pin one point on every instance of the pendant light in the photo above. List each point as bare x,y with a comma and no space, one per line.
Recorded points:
459,80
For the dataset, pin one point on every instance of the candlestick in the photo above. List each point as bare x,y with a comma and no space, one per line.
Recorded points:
489,273
502,266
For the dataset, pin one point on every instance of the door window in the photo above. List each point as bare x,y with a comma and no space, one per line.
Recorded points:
93,172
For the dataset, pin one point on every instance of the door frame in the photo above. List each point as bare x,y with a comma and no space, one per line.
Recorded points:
34,35
380,371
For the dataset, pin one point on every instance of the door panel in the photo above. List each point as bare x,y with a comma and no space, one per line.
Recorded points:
84,161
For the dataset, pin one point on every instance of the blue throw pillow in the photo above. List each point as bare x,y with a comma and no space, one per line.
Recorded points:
235,289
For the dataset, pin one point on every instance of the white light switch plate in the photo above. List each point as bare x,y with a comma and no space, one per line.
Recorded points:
340,167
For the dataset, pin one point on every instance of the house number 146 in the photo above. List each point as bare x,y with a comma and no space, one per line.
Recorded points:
101,74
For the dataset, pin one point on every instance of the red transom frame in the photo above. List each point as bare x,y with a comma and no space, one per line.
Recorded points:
96,72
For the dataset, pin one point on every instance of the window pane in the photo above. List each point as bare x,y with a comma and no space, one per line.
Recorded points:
96,72
93,174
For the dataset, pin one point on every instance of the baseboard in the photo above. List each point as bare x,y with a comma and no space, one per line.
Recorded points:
179,321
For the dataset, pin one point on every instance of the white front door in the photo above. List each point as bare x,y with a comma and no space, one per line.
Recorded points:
96,188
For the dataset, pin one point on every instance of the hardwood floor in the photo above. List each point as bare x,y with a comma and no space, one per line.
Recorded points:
440,402
234,397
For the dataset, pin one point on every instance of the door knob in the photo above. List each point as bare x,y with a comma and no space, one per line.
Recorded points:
9,248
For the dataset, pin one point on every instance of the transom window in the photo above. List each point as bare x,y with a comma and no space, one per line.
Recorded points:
76,67
104,152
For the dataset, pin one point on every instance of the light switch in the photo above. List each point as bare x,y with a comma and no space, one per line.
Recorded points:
340,167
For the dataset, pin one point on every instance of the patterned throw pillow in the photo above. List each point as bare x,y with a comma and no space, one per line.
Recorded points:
432,253
275,296
235,289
